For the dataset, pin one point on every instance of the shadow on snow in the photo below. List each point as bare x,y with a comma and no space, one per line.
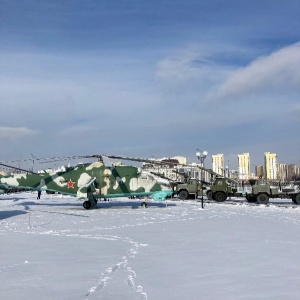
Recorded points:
11,213
126,204
14,199
112,204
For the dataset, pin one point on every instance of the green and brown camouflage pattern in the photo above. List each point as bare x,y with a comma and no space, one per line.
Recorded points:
92,181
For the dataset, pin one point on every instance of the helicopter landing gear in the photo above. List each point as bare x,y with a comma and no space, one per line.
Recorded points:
89,203
144,204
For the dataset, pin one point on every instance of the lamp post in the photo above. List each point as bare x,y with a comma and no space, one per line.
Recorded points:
201,157
33,157
226,171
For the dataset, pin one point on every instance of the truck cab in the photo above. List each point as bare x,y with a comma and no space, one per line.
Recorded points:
261,191
191,188
220,189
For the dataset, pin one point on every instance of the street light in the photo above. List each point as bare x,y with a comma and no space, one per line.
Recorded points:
226,171
201,157
33,157
228,175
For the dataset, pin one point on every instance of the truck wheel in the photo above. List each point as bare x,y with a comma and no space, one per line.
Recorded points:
220,197
262,198
183,195
251,199
209,195
297,199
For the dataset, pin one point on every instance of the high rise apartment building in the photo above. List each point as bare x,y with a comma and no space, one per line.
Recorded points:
259,171
293,172
218,163
244,166
271,165
282,172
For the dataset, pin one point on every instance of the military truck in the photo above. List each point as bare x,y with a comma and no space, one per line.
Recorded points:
262,191
295,196
221,188
190,189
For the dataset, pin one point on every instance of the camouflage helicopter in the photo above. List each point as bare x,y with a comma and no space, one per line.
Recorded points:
92,181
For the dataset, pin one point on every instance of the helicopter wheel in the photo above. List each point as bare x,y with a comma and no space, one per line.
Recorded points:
87,204
90,203
144,204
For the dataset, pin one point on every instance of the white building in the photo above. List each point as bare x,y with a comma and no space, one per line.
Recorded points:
282,172
168,167
181,159
244,166
218,163
271,165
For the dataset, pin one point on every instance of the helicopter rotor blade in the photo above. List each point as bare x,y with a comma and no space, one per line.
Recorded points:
19,169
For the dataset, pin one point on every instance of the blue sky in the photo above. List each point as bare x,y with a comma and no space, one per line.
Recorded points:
150,78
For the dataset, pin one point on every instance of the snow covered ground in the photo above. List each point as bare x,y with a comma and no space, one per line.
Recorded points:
54,249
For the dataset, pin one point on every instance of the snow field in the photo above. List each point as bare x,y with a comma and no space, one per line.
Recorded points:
54,249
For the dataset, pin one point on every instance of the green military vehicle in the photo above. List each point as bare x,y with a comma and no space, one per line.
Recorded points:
220,189
262,191
190,189
91,181
295,196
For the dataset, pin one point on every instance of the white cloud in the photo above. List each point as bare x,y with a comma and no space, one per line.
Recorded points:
173,67
280,71
183,64
17,132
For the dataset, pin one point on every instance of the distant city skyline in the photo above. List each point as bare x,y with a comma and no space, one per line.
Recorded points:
271,168
233,163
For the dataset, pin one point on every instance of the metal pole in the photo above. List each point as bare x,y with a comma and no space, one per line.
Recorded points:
202,163
29,217
201,157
